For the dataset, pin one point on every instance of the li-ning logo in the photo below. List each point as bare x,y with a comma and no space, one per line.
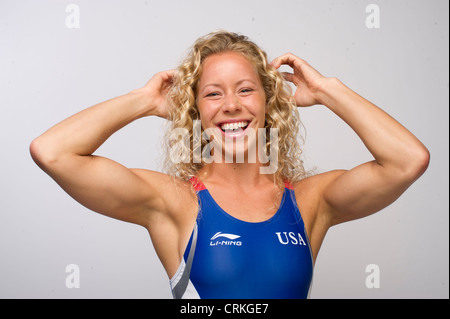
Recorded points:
230,242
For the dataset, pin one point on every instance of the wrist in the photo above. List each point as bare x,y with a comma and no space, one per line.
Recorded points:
327,94
143,102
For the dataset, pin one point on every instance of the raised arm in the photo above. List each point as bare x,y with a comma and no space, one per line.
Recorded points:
103,185
399,157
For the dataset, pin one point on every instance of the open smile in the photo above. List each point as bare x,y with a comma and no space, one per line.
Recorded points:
234,129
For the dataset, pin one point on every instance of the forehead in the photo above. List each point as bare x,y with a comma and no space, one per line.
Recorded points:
227,66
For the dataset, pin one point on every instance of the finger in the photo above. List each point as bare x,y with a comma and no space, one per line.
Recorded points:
287,59
168,75
282,59
277,62
274,63
288,76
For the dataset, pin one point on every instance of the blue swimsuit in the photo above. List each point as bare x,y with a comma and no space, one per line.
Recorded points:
230,258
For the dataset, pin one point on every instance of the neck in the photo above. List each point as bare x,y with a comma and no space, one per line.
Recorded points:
225,170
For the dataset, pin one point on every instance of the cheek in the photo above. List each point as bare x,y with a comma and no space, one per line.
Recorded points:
208,107
260,106
204,123
206,113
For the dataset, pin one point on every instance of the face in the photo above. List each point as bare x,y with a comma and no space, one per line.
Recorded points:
230,96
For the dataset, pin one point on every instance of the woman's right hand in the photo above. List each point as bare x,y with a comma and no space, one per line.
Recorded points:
156,90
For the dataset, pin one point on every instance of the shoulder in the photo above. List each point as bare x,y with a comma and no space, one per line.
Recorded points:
175,195
315,185
309,193
161,180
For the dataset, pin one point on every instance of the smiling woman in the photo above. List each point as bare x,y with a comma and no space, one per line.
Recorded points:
222,229
227,69
239,100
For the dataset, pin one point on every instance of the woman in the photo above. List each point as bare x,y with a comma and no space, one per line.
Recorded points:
224,228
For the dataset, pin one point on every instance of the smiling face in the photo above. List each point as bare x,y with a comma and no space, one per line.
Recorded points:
188,103
230,96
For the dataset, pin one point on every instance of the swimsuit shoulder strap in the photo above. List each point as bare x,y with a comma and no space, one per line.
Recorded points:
197,184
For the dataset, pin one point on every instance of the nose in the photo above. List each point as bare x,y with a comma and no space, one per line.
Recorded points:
231,104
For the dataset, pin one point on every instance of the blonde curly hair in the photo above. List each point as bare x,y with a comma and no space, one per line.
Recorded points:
183,111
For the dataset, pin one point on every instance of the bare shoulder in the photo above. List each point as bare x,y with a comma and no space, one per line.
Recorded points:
174,194
310,191
163,181
314,186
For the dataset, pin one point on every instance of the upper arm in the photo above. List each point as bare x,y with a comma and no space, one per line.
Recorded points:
361,191
108,187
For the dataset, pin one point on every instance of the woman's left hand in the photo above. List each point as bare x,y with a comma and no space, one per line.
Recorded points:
309,82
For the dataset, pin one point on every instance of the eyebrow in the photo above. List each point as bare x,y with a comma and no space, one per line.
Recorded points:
237,83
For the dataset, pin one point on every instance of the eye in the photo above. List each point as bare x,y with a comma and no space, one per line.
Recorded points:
246,90
213,94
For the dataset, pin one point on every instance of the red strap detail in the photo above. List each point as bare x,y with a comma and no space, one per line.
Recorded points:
288,185
198,186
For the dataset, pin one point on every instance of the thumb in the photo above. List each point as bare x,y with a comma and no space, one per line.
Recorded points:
168,75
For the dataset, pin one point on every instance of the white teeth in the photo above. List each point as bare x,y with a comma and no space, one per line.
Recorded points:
233,126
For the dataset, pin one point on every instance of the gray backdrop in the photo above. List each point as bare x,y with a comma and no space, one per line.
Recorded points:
57,59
